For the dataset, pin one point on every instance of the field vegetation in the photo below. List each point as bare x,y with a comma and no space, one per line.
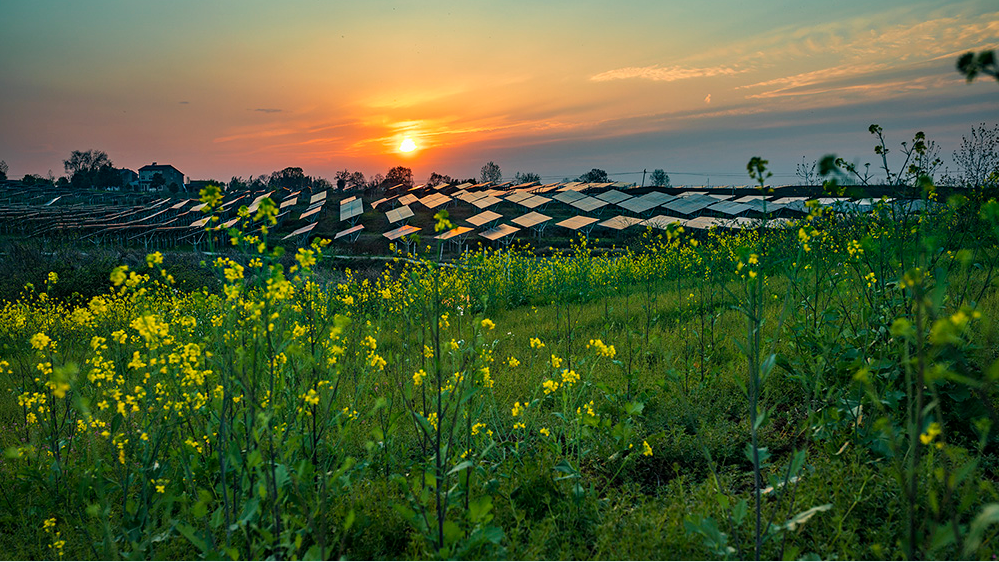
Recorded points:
826,390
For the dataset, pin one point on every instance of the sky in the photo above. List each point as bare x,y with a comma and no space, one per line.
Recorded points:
222,88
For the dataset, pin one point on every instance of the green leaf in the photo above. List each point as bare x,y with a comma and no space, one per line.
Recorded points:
564,466
799,519
460,466
987,517
634,408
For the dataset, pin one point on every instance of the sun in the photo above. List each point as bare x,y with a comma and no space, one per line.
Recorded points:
407,145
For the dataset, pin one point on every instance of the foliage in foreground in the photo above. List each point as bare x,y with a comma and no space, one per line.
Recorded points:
824,389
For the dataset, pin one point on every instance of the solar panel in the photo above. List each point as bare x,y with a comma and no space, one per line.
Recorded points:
310,212
661,221
577,222
349,231
471,196
568,197
691,204
197,208
456,231
179,205
620,222
569,186
588,204
638,205
498,232
483,217
405,230
200,222
303,230
408,199
398,214
317,197
704,223
762,205
691,193
435,200
729,208
382,200
348,200
287,203
658,197
613,196
748,198
534,201
518,196
531,219
352,209
486,202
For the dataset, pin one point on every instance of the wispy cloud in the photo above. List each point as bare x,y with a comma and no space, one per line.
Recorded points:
267,110
658,73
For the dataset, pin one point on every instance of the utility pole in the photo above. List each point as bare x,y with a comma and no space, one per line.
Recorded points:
643,177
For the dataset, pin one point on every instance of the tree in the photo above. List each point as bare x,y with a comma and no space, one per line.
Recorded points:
108,176
351,180
978,157
376,181
526,177
971,65
439,179
491,172
292,178
3,170
595,175
659,178
173,187
237,183
82,167
400,175
158,182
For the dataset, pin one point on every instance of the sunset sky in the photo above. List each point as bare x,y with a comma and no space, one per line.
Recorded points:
241,88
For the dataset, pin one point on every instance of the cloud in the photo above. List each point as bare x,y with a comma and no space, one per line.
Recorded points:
184,102
267,110
658,73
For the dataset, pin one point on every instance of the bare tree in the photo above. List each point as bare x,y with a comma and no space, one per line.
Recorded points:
978,157
3,170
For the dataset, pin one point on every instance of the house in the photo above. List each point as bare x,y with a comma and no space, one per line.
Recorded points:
170,175
129,179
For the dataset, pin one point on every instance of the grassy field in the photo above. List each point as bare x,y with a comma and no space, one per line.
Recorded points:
822,391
